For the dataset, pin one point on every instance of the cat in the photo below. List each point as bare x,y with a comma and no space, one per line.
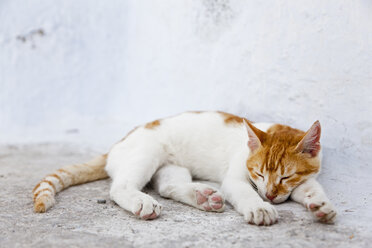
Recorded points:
256,164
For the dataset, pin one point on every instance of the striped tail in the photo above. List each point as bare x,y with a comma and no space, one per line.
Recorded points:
65,177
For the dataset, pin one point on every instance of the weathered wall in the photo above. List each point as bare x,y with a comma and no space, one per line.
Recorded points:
101,63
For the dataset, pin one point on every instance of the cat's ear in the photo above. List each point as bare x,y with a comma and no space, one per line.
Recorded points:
255,135
310,142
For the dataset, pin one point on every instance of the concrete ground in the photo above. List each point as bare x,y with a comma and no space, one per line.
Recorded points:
77,220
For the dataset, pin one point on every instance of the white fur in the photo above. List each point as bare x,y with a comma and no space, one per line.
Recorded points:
311,192
190,145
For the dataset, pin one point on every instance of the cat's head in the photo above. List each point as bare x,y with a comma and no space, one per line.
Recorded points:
281,159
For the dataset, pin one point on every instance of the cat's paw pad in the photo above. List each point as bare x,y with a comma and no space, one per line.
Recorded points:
147,209
261,214
210,199
323,211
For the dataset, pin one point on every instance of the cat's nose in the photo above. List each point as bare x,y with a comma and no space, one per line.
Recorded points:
270,197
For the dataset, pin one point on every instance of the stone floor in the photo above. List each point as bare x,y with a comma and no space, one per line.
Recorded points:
77,220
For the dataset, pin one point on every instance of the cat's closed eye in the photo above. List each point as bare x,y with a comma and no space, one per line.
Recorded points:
284,178
258,174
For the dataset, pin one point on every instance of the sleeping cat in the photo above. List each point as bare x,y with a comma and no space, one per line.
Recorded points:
257,165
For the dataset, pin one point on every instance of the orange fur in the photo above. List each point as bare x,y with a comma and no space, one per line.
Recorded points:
36,187
277,157
39,192
65,171
67,176
39,207
152,124
58,178
50,183
232,119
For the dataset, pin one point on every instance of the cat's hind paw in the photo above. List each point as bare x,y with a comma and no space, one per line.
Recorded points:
323,211
147,208
209,199
261,214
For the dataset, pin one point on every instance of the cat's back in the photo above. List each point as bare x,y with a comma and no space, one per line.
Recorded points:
204,142
198,126
194,130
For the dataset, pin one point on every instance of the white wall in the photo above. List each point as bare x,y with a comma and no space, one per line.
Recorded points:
104,64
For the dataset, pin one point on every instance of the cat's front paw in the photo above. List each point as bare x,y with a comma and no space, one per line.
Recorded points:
262,213
322,210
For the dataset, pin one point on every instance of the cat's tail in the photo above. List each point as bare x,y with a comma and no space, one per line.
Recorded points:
65,177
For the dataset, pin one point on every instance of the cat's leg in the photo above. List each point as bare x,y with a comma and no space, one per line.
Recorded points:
133,200
312,196
240,193
175,182
131,167
247,201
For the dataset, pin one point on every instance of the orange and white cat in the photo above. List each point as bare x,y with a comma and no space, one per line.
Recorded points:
257,164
